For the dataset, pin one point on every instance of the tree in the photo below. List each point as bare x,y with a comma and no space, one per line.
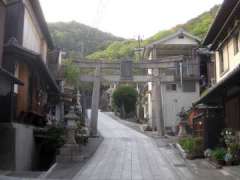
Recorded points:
71,73
125,99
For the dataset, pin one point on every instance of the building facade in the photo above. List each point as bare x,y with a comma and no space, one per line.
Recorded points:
25,107
178,94
223,40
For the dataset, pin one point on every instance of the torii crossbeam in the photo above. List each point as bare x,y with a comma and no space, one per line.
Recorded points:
126,67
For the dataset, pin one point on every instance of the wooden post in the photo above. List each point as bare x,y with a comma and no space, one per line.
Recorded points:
95,102
157,102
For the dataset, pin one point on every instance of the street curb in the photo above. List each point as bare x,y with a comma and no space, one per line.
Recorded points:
44,175
215,165
184,156
181,150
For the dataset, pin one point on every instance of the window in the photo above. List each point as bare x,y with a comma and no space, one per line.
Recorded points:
171,87
189,86
223,59
221,62
236,43
16,74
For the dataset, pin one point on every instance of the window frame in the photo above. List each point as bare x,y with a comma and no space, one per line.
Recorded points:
189,91
171,85
236,43
222,68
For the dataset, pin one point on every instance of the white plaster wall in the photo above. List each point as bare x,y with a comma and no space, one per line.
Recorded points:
234,61
33,38
173,101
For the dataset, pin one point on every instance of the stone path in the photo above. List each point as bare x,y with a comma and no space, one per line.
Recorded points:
126,154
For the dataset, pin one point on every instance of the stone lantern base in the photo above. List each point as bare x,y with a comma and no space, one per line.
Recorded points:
70,153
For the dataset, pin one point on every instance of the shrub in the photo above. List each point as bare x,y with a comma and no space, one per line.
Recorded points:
54,139
218,154
192,145
71,73
125,97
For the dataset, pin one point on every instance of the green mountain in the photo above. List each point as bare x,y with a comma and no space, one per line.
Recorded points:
77,39
125,49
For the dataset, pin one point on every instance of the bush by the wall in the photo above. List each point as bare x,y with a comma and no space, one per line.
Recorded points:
125,99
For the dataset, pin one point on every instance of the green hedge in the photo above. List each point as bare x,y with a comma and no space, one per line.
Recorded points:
125,97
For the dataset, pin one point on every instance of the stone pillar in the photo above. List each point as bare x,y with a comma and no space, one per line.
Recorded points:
157,113
59,110
95,102
151,108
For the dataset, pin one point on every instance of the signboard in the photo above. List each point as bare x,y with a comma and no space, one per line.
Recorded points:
126,70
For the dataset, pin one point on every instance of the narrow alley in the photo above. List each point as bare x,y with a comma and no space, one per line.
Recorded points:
126,154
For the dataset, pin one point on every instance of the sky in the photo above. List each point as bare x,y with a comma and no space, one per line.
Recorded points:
126,18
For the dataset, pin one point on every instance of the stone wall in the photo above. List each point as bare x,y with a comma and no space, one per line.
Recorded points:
17,144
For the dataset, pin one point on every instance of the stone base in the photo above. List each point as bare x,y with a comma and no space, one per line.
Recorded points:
70,153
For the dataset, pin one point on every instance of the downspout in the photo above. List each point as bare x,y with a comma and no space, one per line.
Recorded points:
181,73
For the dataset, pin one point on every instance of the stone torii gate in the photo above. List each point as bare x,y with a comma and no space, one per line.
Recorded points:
126,67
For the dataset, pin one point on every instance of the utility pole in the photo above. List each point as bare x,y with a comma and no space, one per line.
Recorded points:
139,49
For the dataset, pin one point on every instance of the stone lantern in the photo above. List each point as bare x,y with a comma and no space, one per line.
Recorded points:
78,102
71,119
183,123
70,151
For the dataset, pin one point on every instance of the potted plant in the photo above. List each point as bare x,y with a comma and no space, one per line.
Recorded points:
232,145
234,150
218,155
208,153
193,146
228,158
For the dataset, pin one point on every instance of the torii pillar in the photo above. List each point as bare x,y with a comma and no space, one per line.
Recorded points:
157,110
95,102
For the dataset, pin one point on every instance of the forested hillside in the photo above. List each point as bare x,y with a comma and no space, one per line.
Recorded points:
76,38
125,49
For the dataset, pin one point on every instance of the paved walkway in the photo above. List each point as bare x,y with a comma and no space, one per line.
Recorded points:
126,154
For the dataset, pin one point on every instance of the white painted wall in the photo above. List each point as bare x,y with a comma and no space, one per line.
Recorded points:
174,101
234,60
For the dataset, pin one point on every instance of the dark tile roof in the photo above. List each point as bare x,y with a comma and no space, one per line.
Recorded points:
10,76
34,60
212,96
224,16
